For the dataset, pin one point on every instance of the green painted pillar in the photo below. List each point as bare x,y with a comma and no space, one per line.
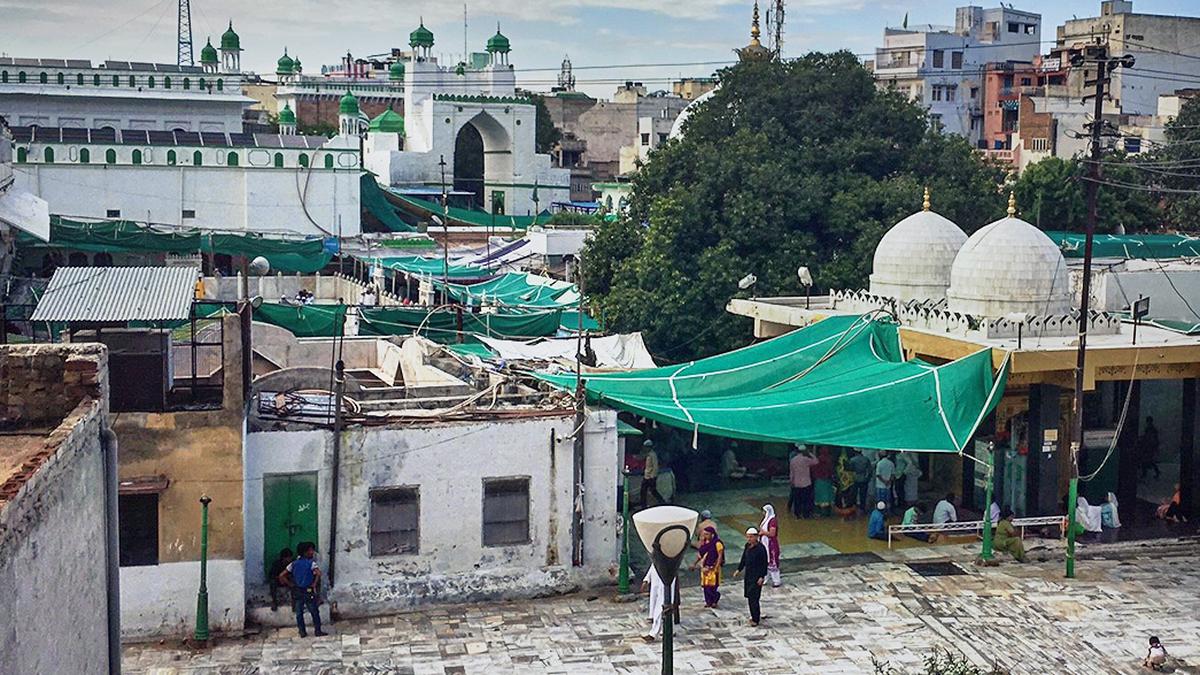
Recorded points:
623,572
201,634
985,552
1072,498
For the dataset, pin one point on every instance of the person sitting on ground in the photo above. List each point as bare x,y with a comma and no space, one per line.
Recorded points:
910,518
1156,656
730,468
945,512
877,523
278,567
1007,539
1172,509
1110,514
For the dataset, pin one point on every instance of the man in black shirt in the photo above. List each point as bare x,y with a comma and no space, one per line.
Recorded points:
754,565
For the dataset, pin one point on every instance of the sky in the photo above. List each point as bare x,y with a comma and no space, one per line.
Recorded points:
608,41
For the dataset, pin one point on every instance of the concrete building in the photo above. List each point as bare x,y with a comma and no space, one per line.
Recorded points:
58,535
1160,44
942,67
399,509
468,123
263,183
652,132
117,95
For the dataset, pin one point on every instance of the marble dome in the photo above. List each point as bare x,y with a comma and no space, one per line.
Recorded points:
913,259
1006,267
677,125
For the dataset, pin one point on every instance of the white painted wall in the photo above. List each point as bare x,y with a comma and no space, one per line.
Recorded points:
159,600
448,463
92,107
234,198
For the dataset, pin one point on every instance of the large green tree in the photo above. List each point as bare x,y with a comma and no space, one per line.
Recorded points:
804,162
1052,195
1174,168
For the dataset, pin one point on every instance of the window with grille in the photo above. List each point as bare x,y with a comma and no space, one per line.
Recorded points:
505,511
939,58
395,521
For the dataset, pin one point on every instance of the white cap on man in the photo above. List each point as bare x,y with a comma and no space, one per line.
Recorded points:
882,506
752,530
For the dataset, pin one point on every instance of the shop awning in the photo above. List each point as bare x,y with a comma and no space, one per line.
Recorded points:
842,381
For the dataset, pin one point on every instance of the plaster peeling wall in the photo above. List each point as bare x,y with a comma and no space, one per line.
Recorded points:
160,600
52,583
448,463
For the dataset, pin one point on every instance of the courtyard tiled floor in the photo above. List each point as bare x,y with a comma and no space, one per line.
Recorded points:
1026,618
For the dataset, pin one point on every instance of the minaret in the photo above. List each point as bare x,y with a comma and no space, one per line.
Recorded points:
755,51
287,121
231,51
566,79
348,115
209,61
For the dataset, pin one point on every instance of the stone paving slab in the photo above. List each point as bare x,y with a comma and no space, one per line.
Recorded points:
1026,618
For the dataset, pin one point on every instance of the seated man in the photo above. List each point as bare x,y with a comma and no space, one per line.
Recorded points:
910,518
877,523
729,464
945,512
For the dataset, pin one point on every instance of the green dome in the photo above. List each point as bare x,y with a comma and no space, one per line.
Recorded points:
230,40
348,105
460,69
285,64
498,43
421,37
388,122
286,116
295,65
209,53
396,72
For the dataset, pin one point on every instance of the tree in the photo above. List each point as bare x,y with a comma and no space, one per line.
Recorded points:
1175,168
799,163
546,135
1052,195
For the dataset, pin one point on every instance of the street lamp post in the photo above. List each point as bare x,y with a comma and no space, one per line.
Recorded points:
623,570
201,634
665,531
985,553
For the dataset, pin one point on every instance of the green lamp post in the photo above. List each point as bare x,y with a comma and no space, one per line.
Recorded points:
623,571
985,553
201,634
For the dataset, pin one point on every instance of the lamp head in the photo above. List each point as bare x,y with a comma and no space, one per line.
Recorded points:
260,266
665,531
805,276
747,281
437,220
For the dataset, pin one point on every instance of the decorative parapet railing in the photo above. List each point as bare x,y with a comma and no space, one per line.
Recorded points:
934,315
466,98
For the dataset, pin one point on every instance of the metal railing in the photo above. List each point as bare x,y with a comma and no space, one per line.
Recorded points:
975,525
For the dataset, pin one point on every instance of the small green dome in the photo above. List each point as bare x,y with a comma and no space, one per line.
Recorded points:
498,43
348,105
388,122
421,37
230,40
209,53
396,71
460,69
285,64
296,65
286,116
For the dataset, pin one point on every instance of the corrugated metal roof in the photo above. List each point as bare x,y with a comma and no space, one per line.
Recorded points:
104,294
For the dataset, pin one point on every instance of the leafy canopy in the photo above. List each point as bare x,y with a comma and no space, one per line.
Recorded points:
804,162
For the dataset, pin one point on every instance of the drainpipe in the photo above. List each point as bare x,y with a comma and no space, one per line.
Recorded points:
108,446
339,388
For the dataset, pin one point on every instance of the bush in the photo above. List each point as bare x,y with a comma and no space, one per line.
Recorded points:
940,662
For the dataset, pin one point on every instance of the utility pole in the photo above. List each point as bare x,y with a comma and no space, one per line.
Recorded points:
580,421
184,31
445,228
1104,64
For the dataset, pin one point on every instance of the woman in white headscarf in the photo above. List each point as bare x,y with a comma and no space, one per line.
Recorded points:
1110,515
769,535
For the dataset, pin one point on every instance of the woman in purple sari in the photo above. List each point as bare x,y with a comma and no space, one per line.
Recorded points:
710,559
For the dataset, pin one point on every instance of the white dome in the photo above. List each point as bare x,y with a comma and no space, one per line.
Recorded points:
677,125
913,259
1006,267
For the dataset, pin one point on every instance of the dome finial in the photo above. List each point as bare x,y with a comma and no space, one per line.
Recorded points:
925,204
754,31
1012,204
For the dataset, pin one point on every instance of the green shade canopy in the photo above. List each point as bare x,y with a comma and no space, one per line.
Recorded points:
442,324
434,268
304,320
377,206
842,381
1128,245
208,54
627,429
388,122
515,289
230,40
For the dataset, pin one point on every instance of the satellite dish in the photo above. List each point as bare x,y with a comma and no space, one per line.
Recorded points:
260,266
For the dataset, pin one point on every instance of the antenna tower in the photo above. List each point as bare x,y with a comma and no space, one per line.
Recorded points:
184,56
775,17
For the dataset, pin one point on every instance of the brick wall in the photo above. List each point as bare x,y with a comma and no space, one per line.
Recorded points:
40,384
312,109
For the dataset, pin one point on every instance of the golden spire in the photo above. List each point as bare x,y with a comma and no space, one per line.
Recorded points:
754,32
925,204
1012,204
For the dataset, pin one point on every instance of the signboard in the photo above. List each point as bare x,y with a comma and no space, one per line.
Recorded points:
1049,441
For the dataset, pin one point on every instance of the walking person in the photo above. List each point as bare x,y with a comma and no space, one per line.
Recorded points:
768,531
277,568
885,474
754,566
710,558
861,466
650,475
822,475
658,596
304,577
800,476
1148,450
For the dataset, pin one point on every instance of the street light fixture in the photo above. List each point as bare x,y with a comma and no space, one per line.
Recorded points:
806,281
666,531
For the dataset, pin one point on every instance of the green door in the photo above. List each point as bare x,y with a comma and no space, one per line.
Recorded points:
289,513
